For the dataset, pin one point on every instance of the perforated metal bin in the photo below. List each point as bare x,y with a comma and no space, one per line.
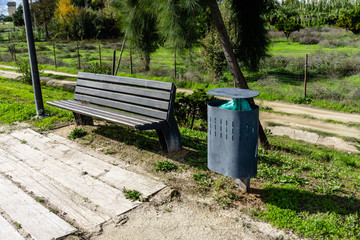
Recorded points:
232,135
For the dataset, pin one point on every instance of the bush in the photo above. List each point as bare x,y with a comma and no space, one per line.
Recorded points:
288,26
307,36
24,69
97,68
350,20
191,107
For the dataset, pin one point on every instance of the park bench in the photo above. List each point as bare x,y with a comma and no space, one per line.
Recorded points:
137,103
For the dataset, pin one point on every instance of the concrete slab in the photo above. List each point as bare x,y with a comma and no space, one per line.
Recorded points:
84,189
34,218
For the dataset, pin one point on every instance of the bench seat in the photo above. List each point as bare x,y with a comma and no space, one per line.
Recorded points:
137,103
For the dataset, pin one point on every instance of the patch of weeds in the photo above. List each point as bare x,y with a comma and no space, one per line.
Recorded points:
109,151
77,133
265,108
40,200
293,178
231,195
17,225
23,141
165,166
133,195
203,181
53,210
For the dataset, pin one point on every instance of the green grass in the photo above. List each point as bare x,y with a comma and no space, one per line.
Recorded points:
17,104
311,190
282,47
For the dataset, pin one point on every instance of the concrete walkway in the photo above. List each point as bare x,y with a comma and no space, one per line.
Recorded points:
45,180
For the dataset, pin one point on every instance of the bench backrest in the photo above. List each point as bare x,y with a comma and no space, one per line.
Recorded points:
140,96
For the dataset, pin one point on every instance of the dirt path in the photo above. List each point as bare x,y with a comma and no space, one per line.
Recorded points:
310,111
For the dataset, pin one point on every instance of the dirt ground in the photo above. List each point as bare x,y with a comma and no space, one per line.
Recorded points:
180,211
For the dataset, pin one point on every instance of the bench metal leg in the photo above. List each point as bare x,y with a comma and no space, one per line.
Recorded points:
83,120
169,136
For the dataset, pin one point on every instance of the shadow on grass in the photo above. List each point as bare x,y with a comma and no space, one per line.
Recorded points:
306,201
148,140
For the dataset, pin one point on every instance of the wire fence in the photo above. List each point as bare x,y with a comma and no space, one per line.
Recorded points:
105,55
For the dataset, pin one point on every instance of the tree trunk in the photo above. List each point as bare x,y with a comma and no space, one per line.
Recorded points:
147,61
234,68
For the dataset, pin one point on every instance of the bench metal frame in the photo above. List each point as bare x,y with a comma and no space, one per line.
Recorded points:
137,103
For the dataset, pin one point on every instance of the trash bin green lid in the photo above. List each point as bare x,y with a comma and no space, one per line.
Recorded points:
233,92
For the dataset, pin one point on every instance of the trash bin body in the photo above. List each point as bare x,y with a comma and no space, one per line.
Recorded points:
232,140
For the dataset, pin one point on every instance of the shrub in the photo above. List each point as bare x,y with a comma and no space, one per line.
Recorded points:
307,36
350,20
97,68
24,69
191,107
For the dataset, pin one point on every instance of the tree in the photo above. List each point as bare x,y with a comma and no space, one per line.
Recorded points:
234,68
18,16
44,11
249,36
140,24
65,14
288,26
181,24
350,20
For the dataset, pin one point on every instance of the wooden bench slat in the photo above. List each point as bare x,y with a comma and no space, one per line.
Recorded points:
132,117
79,91
121,118
127,80
157,94
125,107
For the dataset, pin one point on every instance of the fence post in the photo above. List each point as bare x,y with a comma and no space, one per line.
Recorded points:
131,62
305,75
78,54
122,49
175,64
113,63
100,54
54,56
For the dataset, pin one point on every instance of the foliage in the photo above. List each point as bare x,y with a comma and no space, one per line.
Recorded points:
77,133
213,54
94,4
97,68
44,11
18,16
181,22
288,26
350,20
24,69
140,24
247,30
191,107
165,166
65,11
133,195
